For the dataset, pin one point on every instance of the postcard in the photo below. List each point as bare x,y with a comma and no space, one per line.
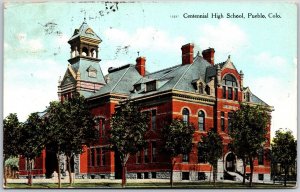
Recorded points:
133,94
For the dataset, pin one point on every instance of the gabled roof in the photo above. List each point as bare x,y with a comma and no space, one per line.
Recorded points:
254,98
84,31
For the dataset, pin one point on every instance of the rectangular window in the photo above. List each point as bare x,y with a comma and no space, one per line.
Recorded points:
138,157
185,176
222,121
230,93
185,158
146,157
201,123
261,177
151,86
98,155
153,119
153,175
236,94
103,158
153,156
103,126
261,157
201,176
224,92
92,157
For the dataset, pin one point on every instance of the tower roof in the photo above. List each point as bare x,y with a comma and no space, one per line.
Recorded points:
84,31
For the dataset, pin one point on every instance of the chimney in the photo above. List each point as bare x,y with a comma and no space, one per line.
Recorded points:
187,53
209,55
140,65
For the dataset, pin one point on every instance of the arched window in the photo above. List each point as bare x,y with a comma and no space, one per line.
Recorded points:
93,53
185,114
229,83
201,121
84,51
201,88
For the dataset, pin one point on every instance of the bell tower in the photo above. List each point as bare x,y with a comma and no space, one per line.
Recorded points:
83,74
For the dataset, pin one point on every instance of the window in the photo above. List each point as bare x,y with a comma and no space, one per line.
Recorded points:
201,121
222,121
103,158
139,175
153,156
224,92
261,157
185,176
261,177
146,157
201,154
153,119
201,176
248,97
98,157
102,126
29,163
185,114
138,87
229,80
207,90
236,94
146,175
92,157
84,51
138,157
230,93
151,86
229,121
185,158
153,175
201,88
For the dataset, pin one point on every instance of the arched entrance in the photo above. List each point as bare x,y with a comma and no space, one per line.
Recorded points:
230,162
51,163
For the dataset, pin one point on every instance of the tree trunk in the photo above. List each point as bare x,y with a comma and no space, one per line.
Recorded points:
58,170
124,169
251,170
69,168
285,173
244,173
210,174
214,174
4,170
173,161
29,173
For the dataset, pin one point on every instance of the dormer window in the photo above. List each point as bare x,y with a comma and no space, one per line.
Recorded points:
151,86
248,97
138,87
92,72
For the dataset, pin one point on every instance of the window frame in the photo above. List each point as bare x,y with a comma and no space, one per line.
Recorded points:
201,116
186,116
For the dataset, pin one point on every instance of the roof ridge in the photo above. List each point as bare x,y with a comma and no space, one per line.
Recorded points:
164,69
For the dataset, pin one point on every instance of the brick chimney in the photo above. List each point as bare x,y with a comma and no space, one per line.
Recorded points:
187,53
140,65
209,55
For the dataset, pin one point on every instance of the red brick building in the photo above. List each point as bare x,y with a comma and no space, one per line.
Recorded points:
196,90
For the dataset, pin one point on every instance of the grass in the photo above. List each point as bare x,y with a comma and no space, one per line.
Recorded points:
189,185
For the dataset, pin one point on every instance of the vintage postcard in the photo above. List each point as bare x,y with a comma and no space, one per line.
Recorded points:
133,94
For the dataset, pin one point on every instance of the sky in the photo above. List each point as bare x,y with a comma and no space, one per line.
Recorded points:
265,49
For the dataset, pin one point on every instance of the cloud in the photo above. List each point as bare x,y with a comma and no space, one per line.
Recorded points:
28,45
145,38
225,37
266,60
30,84
282,96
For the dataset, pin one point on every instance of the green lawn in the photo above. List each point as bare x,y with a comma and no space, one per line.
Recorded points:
190,185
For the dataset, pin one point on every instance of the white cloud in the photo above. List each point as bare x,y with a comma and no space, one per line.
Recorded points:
29,45
280,95
266,60
29,85
145,38
225,38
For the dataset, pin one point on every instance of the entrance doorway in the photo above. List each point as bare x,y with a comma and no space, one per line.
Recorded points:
230,162
118,166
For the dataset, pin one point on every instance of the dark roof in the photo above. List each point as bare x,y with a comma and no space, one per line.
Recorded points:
84,31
